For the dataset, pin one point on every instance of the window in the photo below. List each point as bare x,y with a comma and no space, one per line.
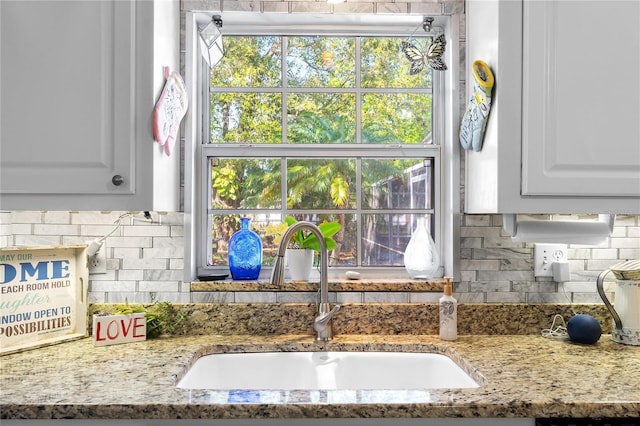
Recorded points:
321,128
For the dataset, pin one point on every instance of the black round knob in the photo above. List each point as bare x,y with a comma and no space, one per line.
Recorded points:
117,180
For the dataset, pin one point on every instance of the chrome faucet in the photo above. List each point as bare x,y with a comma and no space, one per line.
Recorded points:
322,323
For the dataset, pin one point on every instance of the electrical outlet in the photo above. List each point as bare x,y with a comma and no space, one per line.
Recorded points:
98,262
544,255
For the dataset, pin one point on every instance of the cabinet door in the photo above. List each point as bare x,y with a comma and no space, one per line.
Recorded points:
581,98
67,98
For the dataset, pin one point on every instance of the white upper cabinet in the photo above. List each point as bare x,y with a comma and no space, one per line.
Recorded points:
564,131
79,83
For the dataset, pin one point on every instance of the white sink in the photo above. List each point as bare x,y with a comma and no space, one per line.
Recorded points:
326,370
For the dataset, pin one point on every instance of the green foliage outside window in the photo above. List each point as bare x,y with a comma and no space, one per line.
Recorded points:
316,96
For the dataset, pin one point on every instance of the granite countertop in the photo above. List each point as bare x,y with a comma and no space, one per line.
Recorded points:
335,284
520,376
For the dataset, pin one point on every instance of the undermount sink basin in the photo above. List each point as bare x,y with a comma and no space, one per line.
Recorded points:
326,371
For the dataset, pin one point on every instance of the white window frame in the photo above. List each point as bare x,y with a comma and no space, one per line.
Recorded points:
446,206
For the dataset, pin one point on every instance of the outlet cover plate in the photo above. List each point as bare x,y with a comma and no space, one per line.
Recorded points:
97,264
544,255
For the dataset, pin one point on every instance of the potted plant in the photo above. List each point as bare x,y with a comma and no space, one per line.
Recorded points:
303,244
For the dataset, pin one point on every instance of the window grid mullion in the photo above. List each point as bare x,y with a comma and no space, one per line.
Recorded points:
284,89
359,211
366,90
358,92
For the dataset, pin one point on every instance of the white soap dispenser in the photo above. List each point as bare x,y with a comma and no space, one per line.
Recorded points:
448,313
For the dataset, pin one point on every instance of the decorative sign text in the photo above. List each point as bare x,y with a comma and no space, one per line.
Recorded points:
42,295
115,329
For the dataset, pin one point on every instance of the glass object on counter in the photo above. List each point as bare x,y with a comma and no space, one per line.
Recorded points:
421,259
245,253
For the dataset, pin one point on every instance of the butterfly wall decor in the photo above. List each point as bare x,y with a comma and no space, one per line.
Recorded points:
431,56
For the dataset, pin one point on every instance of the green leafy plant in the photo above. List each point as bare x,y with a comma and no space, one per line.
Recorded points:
309,241
162,317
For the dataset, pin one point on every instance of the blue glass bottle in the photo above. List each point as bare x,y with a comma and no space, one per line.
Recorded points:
245,253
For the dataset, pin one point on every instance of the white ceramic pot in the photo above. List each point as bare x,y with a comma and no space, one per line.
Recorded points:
299,262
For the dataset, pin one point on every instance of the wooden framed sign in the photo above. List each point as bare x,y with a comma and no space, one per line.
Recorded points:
43,296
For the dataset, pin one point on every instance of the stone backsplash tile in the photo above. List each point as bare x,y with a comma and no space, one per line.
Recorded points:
145,262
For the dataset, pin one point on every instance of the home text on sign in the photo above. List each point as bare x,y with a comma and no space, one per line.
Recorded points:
45,270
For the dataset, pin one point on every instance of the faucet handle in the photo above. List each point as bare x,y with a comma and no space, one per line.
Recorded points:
323,318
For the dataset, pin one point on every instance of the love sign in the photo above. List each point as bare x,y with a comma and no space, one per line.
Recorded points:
116,329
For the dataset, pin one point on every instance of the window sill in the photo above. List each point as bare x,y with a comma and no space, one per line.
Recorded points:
335,285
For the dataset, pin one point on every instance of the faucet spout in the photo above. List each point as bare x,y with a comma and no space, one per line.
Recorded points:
322,322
